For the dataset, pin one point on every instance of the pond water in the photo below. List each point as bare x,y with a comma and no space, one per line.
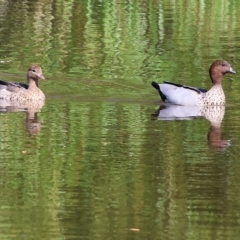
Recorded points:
99,160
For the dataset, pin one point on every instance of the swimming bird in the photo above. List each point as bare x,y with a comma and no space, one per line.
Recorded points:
185,95
15,91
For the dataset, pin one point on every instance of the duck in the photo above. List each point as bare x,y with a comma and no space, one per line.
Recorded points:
179,94
19,92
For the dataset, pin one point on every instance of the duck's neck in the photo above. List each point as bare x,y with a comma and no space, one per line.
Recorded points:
216,78
216,88
32,82
217,85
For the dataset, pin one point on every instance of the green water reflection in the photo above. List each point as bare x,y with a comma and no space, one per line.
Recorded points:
102,170
95,163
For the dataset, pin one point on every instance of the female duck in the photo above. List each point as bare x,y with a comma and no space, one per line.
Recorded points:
184,95
23,92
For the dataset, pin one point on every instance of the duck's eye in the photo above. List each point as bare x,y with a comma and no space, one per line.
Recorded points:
33,70
223,64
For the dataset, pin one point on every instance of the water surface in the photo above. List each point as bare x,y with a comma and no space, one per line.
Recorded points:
97,161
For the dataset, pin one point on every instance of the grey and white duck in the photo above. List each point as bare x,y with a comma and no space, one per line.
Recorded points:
185,95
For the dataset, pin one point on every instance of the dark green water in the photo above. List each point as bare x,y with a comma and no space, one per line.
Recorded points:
96,162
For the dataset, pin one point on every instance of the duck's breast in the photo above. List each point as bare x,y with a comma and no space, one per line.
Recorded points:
215,96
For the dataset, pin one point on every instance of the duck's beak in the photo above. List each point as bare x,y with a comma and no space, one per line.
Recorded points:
231,70
41,76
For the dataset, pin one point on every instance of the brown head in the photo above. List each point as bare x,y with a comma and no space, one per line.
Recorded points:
33,74
218,69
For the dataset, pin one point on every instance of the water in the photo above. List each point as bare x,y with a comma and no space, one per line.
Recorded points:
98,161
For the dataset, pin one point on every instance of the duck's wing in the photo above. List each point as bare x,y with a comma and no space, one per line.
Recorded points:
12,86
179,94
198,90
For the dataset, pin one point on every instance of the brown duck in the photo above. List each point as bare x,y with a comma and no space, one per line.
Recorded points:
15,91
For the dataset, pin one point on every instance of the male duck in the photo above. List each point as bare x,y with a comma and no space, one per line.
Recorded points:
184,95
14,91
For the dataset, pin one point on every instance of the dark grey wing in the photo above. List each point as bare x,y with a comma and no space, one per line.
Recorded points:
203,90
12,86
23,85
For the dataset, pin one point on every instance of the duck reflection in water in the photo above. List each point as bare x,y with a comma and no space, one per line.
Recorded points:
214,114
31,109
32,123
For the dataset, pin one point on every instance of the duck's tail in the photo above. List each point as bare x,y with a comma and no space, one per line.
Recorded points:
155,85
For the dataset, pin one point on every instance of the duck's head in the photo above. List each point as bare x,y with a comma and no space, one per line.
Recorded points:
35,72
218,69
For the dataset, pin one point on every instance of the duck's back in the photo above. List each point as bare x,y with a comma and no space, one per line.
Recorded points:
15,91
12,86
178,94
